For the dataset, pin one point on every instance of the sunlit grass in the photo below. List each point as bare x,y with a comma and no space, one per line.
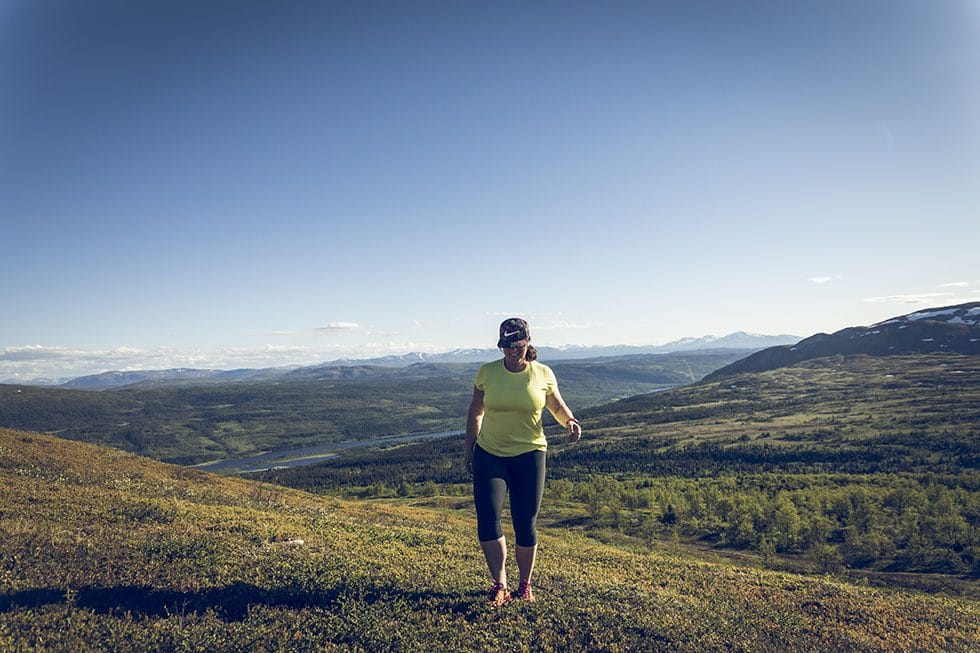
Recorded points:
100,549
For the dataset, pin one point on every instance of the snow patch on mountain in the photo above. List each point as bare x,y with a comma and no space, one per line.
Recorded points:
928,315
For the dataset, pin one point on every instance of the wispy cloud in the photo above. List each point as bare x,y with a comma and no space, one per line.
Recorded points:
954,284
339,326
921,298
566,326
821,279
38,361
33,353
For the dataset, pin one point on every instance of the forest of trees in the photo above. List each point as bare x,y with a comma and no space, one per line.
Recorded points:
905,521
925,523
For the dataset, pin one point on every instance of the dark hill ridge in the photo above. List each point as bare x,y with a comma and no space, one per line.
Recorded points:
948,329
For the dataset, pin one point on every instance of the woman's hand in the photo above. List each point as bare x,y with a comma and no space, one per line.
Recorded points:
560,411
468,461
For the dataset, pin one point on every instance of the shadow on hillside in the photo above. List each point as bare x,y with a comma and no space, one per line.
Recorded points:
572,522
230,603
31,599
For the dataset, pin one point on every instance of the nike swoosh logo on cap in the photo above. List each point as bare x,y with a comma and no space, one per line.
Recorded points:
512,333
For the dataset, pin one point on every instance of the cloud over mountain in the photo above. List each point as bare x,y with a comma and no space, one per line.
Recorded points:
339,326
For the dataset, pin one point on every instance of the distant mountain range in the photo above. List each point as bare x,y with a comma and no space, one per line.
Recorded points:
948,329
737,340
953,329
117,379
345,368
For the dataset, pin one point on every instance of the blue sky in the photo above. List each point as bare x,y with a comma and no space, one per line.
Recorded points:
224,184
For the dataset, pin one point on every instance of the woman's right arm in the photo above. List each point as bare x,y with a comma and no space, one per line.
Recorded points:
474,420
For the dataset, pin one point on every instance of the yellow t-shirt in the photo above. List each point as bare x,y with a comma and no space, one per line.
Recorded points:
513,403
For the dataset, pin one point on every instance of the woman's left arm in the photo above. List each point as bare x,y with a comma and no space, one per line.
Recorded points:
563,414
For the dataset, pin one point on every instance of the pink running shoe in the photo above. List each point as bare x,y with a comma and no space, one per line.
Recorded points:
524,592
498,595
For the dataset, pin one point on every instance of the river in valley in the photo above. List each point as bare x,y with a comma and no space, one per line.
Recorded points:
307,455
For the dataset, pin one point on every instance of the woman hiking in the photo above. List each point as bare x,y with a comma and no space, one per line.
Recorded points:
505,451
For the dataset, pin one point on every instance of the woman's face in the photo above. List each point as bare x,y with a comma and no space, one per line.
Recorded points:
516,352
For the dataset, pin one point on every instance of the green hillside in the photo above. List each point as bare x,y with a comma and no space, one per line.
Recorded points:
853,413
198,423
209,421
104,550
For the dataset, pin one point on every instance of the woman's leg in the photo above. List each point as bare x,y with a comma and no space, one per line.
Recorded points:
489,490
526,490
495,551
525,561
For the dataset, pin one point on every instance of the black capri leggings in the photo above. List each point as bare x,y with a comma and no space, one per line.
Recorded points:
493,476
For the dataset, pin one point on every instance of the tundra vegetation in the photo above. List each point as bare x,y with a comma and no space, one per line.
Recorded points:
103,550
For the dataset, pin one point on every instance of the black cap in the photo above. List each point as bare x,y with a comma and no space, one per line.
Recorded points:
513,330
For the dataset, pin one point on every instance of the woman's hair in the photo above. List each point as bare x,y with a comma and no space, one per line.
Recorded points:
532,353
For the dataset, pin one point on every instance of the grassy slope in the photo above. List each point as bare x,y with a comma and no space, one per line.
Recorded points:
877,409
99,548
